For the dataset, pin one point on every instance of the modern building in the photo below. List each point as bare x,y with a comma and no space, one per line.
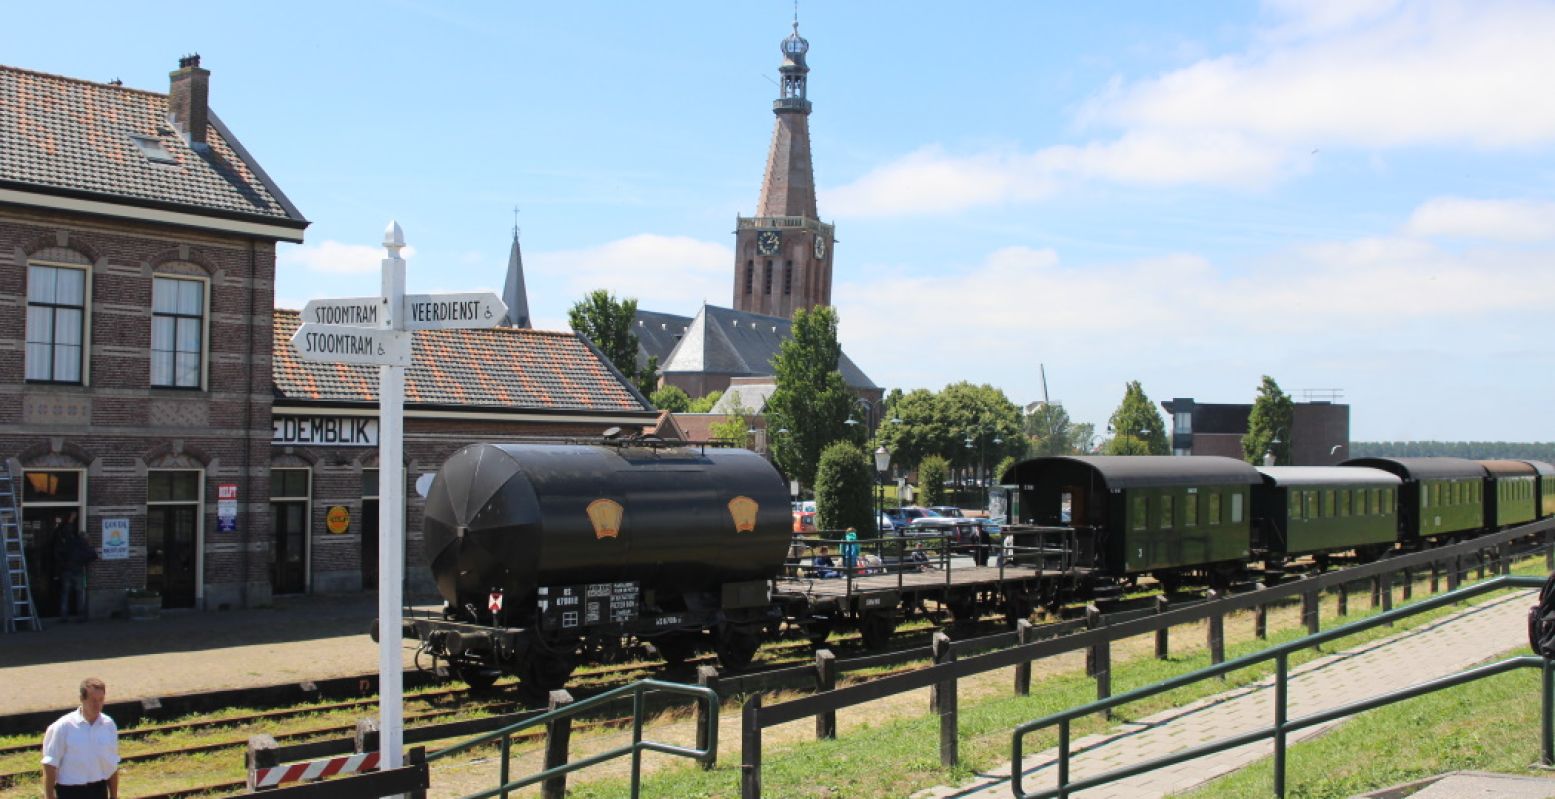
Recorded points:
137,253
1320,429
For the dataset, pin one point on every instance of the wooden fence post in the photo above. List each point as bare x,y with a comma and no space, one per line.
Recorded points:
261,754
1436,572
1409,584
1098,656
942,698
1386,583
750,747
1456,574
707,677
825,680
1162,636
1479,564
1260,617
1344,599
1309,612
1549,550
1023,635
1216,631
558,736
1376,591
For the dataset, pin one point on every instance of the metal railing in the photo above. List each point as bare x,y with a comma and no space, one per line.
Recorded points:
558,724
1282,726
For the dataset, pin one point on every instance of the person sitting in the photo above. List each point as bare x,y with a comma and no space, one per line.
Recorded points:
823,567
918,559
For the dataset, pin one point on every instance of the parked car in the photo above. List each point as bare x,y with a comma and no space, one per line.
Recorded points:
948,511
804,521
959,532
912,513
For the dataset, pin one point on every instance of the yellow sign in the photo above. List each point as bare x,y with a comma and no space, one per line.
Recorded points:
605,514
743,510
338,519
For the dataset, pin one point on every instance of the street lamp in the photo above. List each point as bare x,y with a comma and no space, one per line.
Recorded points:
882,463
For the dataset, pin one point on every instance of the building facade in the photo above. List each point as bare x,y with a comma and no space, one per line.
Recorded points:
783,254
1320,430
137,255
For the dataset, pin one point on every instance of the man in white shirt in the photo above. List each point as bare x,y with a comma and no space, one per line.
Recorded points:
81,750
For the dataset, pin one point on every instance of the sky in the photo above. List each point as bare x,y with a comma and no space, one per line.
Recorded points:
1341,194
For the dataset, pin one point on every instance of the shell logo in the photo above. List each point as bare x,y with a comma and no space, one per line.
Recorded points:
605,514
743,511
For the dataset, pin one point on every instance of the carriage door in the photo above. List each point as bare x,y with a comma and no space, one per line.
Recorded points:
173,511
289,504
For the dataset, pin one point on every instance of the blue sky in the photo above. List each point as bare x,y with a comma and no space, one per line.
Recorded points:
1351,194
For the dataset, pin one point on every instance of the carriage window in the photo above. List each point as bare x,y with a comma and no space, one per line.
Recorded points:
1190,511
1140,514
1344,503
1328,503
1166,512
1236,508
1311,500
1295,504
1214,508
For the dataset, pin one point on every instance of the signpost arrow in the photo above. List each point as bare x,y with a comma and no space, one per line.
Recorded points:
359,345
452,310
353,311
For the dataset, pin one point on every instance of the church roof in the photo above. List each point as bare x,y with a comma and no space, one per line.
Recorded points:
513,293
724,341
657,334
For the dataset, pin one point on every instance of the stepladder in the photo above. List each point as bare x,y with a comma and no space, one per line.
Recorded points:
18,608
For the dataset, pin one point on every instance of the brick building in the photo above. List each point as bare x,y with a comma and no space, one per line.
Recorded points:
137,253
1319,430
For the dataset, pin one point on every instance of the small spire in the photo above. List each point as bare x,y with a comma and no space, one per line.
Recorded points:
515,223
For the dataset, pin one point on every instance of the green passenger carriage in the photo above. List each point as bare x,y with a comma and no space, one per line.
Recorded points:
1440,496
1511,493
1144,513
1545,486
1311,509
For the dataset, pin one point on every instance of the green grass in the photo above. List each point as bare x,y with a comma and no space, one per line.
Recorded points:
1489,725
896,757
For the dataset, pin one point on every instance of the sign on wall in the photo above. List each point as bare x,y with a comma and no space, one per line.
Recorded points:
116,539
336,431
338,519
226,507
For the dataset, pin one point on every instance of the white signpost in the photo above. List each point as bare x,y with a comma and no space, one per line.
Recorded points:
374,330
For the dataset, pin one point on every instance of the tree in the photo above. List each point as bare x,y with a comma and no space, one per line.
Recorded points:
810,399
844,490
1268,426
670,398
1004,466
607,323
932,474
1052,432
705,403
735,427
913,437
1137,428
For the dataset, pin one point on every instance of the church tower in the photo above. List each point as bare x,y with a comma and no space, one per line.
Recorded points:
783,254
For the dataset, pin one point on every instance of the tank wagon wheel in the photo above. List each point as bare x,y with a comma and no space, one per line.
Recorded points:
876,629
818,630
479,678
675,649
736,646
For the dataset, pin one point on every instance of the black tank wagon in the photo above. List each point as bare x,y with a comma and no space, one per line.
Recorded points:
546,552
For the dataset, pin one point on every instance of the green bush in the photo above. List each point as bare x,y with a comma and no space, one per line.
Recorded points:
844,486
932,474
670,398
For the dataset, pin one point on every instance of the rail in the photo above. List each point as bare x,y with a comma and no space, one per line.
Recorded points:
558,721
1282,726
1096,640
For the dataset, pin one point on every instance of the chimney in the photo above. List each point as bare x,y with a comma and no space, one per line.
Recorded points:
186,99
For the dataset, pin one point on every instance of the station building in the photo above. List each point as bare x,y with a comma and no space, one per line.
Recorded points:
149,388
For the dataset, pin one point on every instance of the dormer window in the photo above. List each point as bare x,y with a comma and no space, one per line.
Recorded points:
153,150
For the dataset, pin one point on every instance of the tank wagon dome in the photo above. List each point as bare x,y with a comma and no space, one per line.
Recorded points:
1327,475
1423,468
1508,468
1127,471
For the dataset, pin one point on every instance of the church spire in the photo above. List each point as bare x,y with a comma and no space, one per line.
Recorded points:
513,293
783,258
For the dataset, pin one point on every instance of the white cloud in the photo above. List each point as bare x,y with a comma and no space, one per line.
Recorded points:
336,257
662,272
1325,74
1500,220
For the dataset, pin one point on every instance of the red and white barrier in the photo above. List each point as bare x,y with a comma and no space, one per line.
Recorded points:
313,770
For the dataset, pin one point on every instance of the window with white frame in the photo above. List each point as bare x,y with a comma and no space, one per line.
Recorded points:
177,332
56,323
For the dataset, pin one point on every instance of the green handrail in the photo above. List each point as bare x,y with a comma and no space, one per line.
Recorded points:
1280,654
637,691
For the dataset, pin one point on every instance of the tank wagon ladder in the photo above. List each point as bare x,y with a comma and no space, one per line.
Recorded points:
18,607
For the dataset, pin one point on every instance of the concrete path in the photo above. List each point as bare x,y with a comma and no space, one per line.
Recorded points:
1444,647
